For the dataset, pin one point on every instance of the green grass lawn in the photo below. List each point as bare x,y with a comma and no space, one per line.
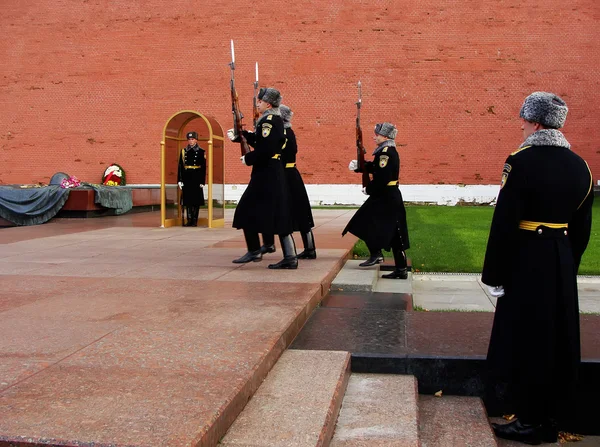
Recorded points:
454,238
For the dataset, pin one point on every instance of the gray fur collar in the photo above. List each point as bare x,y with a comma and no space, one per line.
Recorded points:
386,143
546,137
271,111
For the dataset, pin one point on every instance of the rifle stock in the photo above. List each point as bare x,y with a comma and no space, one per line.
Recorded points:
238,125
360,149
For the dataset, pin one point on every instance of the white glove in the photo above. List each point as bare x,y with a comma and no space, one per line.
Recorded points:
496,291
201,186
353,166
180,184
364,191
231,135
243,158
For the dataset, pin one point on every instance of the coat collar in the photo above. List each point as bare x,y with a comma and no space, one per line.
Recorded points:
546,137
386,143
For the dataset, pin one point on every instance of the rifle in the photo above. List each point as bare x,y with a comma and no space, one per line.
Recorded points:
360,149
255,113
238,126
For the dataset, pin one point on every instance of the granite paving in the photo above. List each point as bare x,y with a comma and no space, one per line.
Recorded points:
117,332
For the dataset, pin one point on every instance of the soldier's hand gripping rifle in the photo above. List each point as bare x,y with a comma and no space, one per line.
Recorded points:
255,113
360,149
238,126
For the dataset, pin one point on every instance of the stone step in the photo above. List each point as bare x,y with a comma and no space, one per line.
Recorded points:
454,421
352,278
297,404
386,285
378,410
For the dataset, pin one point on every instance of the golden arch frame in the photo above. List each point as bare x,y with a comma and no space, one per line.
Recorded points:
173,132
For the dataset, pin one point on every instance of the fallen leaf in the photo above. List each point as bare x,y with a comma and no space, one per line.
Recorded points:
509,417
565,437
438,394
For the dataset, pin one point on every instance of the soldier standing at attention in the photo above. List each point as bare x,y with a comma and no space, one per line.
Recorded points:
191,178
540,229
264,206
300,205
381,220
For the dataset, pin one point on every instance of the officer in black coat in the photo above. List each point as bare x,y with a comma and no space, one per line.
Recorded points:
300,204
191,178
540,229
381,220
264,206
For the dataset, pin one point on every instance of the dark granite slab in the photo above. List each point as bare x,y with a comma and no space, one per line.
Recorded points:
446,351
354,330
368,301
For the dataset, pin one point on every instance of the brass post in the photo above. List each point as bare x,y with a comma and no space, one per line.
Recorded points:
210,182
163,191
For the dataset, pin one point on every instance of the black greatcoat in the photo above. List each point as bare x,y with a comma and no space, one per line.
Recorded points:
301,212
192,172
534,345
264,206
383,213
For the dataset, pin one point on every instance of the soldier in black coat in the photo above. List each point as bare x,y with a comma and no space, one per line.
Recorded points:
264,207
191,178
381,220
301,211
540,229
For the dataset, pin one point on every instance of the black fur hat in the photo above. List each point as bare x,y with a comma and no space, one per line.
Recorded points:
192,135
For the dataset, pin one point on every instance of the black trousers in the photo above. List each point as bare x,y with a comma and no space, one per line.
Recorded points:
399,255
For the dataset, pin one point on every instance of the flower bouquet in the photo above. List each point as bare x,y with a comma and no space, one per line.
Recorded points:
71,182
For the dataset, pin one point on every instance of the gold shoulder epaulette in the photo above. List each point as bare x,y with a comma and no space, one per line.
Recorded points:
520,149
384,149
269,117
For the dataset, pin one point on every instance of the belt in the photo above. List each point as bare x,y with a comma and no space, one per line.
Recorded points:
533,226
392,183
290,165
276,157
192,167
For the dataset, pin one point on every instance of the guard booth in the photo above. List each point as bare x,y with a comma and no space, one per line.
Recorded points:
210,138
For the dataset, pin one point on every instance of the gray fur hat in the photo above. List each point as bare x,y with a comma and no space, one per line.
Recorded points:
270,95
545,108
286,115
387,130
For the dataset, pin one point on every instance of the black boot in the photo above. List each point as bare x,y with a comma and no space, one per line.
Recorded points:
189,213
400,270
253,245
397,274
268,245
290,259
374,258
195,212
309,246
251,256
533,434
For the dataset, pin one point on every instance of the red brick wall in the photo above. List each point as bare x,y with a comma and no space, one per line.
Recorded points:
86,83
